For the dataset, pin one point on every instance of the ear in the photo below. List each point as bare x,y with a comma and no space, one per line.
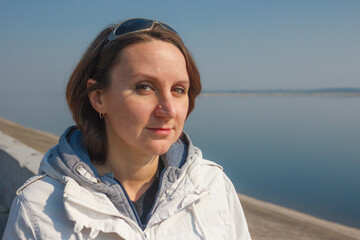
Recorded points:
96,97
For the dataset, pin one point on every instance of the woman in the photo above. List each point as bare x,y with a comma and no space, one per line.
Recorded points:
127,170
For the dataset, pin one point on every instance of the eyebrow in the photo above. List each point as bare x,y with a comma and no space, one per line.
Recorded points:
150,77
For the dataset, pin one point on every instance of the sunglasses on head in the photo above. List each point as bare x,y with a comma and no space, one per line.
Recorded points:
134,25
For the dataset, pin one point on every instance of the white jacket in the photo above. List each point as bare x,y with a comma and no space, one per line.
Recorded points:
201,203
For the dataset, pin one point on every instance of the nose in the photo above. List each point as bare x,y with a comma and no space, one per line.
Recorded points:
166,107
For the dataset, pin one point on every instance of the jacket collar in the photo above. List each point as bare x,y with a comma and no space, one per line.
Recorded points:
91,209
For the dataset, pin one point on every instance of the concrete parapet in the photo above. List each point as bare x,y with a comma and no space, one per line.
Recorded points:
18,162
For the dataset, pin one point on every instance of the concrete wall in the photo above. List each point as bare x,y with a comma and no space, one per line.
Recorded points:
18,162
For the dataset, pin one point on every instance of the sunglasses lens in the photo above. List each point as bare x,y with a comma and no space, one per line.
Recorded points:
168,27
133,25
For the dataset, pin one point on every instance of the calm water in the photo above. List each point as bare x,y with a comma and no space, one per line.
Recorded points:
299,152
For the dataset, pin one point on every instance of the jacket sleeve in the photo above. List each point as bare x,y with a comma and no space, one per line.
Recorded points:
19,224
239,228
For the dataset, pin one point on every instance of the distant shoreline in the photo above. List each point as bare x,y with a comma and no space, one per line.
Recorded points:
322,92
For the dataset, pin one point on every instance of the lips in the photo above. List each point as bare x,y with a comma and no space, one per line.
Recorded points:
160,131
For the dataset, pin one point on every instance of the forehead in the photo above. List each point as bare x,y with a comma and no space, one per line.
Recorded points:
156,57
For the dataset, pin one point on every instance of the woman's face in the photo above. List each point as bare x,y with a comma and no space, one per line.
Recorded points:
147,102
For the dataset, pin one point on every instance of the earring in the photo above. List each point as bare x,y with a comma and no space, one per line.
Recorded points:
101,115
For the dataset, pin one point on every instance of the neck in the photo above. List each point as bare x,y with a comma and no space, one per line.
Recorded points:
135,172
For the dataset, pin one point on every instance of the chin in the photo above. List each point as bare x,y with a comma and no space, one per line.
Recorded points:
160,147
161,151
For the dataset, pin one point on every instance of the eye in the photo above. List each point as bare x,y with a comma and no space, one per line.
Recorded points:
143,88
179,90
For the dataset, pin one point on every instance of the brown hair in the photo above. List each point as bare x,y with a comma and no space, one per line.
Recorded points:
97,63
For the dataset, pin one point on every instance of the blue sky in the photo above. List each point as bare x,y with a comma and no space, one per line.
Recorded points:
280,44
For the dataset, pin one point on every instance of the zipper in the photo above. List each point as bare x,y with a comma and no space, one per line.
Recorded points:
143,226
156,197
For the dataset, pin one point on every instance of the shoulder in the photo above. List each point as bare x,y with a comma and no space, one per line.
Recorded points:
222,198
207,172
209,175
41,196
39,188
38,209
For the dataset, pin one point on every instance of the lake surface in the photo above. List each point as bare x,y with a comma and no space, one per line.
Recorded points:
298,152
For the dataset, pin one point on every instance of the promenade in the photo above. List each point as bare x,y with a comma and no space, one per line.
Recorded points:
22,148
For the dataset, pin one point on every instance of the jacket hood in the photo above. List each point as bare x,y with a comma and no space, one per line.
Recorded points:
69,160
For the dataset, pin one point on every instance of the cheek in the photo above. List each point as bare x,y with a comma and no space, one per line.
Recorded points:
118,111
133,111
182,111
